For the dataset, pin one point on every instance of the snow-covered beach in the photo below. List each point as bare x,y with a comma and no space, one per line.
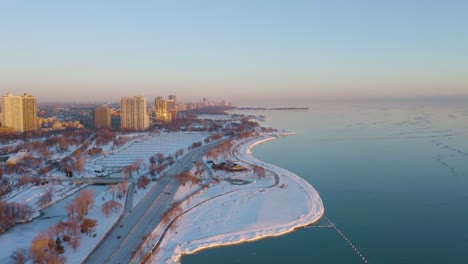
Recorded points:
226,214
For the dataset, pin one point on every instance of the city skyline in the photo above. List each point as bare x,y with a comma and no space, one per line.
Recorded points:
101,51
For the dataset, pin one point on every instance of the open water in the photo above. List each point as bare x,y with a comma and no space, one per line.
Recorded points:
393,177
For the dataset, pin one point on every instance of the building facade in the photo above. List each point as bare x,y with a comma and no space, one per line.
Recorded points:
172,106
19,112
160,108
29,112
133,113
102,117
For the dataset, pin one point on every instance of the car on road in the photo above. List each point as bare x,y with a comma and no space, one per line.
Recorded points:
118,237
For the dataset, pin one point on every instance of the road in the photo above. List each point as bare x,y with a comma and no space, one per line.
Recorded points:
91,180
121,243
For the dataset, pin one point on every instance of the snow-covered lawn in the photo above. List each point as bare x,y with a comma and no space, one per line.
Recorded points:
31,195
143,149
21,235
224,214
215,117
104,224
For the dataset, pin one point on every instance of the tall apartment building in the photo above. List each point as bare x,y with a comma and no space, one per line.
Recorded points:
172,106
19,112
133,113
161,110
102,117
29,112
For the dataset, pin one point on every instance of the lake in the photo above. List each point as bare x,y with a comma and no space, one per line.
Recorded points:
393,177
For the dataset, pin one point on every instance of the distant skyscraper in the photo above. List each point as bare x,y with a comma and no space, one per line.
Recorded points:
12,112
19,112
160,108
29,112
102,117
133,113
172,106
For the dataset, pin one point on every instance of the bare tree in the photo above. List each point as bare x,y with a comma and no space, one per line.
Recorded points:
19,256
259,171
160,158
80,165
72,209
75,243
85,202
199,168
109,207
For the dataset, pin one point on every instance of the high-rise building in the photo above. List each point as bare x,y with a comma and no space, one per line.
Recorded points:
172,106
161,110
12,112
102,117
29,112
19,112
133,113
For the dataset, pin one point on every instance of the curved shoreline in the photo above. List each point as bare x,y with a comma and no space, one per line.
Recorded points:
242,152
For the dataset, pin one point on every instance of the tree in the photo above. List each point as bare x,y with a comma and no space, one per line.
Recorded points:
143,182
259,171
64,144
25,180
19,256
40,247
122,189
112,189
199,168
80,165
45,198
153,168
127,171
73,228
109,207
137,165
106,209
72,209
84,201
88,225
74,243
160,158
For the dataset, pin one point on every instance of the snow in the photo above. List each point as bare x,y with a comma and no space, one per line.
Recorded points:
13,159
143,149
104,224
21,235
214,117
227,214
31,195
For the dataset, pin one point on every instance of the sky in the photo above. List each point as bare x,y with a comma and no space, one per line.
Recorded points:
237,50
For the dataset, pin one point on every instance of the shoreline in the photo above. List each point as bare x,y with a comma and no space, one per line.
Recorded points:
314,214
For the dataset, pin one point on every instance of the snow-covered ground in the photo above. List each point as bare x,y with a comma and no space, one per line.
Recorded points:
21,235
143,149
225,214
31,195
215,117
104,224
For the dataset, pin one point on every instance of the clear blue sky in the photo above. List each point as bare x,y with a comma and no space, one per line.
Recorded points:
102,50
